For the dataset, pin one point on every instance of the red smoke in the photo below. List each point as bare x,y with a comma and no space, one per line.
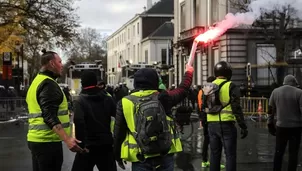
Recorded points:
209,35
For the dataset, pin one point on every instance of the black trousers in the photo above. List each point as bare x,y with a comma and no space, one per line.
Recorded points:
292,136
206,142
101,156
46,156
193,102
223,134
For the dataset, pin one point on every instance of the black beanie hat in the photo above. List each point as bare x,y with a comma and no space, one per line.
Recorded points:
146,79
88,78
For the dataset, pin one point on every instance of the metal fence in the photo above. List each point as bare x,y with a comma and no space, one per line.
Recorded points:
254,105
16,107
12,109
255,108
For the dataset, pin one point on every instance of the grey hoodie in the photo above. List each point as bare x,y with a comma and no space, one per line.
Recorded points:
286,102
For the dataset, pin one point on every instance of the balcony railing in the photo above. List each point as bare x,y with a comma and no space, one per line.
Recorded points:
191,33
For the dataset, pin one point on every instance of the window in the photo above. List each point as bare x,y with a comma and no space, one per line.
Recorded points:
182,17
133,31
138,54
266,54
146,56
164,56
215,9
128,53
134,52
137,28
216,55
197,12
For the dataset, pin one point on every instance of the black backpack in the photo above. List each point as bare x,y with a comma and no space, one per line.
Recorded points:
152,129
211,91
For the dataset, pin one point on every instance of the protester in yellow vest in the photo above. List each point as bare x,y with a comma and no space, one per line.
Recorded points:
129,125
48,117
221,125
203,117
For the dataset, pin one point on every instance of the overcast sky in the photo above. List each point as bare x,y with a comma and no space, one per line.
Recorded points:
108,15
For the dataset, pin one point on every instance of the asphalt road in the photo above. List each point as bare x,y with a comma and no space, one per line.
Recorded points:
254,153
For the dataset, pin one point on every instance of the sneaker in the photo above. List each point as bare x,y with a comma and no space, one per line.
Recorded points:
205,164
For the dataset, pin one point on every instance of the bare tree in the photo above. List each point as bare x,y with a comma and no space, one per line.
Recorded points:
32,54
276,29
89,46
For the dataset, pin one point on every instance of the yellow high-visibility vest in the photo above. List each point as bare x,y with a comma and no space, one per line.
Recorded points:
224,95
38,131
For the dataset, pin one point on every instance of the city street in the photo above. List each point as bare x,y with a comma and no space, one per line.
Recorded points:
254,153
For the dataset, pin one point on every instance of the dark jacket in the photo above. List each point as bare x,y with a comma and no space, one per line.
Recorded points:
235,105
109,89
193,94
92,117
119,93
49,97
168,100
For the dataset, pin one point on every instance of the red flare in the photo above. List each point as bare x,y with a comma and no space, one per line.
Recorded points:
209,35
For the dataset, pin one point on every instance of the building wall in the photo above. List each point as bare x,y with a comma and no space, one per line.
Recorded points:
146,51
125,42
155,46
229,47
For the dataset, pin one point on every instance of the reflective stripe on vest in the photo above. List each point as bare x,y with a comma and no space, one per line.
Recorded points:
38,131
129,148
224,96
36,115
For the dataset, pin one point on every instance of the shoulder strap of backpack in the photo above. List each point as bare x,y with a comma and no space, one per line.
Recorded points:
220,86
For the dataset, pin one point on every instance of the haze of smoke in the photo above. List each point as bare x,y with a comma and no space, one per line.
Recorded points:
255,10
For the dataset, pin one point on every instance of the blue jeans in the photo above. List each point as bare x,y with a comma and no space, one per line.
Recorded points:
223,134
165,163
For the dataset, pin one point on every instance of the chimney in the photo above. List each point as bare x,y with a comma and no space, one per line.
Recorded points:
149,4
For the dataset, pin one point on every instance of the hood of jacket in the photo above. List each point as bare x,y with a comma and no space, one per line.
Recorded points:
146,79
290,80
